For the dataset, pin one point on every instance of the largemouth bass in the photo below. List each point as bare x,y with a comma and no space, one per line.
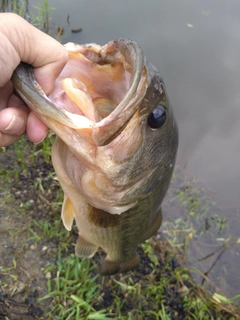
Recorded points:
115,148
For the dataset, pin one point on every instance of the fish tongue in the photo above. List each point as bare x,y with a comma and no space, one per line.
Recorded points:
104,106
78,93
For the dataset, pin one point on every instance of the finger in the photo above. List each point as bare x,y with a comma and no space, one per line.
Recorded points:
13,121
27,43
45,54
5,93
16,102
36,129
6,139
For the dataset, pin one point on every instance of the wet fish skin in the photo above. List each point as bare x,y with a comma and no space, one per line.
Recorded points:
114,171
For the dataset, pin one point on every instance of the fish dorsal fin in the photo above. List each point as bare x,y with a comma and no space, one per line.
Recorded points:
67,213
84,248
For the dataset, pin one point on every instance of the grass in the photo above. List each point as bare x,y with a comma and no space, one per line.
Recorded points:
42,18
72,290
77,291
39,16
17,6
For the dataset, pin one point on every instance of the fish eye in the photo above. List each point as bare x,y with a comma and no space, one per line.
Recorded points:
157,117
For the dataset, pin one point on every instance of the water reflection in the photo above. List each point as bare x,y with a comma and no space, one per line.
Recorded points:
207,233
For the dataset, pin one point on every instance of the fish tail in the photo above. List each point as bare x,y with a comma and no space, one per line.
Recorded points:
110,267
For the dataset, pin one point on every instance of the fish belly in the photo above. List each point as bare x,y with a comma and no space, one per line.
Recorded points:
117,235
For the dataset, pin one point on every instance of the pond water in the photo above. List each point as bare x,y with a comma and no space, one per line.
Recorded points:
196,47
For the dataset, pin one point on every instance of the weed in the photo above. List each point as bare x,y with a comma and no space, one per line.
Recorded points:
48,230
17,6
42,19
35,237
72,289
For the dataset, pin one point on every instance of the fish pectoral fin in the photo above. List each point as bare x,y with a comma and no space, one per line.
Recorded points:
153,228
84,248
67,214
110,267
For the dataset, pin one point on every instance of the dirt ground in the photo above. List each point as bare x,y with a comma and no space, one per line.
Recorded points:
22,278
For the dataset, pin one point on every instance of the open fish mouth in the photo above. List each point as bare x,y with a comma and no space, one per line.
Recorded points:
99,86
96,102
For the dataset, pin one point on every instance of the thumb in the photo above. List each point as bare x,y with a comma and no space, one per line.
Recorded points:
27,43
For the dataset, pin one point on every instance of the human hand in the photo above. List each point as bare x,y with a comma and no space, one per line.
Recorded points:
20,41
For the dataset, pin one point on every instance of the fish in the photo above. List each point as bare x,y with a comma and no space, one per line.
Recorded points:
115,148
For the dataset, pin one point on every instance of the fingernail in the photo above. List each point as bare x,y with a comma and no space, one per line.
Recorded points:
36,143
15,125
